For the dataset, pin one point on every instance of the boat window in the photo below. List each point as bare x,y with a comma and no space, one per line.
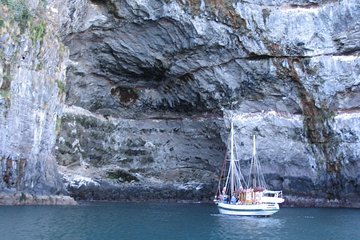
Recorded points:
269,195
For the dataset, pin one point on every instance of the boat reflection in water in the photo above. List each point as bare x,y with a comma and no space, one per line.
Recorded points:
250,227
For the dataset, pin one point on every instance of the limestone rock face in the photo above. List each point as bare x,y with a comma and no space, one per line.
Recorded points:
152,85
133,159
32,80
155,84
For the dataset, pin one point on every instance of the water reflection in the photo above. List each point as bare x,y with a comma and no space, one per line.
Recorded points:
241,227
174,222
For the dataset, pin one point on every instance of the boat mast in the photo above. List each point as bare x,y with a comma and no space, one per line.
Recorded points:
254,156
232,162
251,183
219,191
254,146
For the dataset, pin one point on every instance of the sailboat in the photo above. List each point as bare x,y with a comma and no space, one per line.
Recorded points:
236,196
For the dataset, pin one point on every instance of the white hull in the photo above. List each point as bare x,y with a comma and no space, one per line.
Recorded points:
265,209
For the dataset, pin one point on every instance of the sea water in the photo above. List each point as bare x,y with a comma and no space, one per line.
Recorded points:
169,221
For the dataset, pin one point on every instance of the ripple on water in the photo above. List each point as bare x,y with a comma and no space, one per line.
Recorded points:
170,221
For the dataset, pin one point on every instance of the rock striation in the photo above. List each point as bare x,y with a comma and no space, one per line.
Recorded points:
152,85
32,87
159,81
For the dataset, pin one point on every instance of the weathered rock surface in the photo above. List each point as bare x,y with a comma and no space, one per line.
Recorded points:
32,80
131,159
151,86
28,199
158,76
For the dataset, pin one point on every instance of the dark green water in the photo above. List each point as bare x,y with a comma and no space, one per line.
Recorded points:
172,221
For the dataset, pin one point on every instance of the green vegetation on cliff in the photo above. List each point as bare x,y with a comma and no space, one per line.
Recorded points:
19,11
37,31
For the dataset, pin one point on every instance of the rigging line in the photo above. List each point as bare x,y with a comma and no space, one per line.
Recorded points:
251,168
250,173
222,172
227,181
242,180
228,174
261,174
240,177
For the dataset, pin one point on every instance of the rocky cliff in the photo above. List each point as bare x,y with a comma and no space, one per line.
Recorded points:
32,80
151,86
